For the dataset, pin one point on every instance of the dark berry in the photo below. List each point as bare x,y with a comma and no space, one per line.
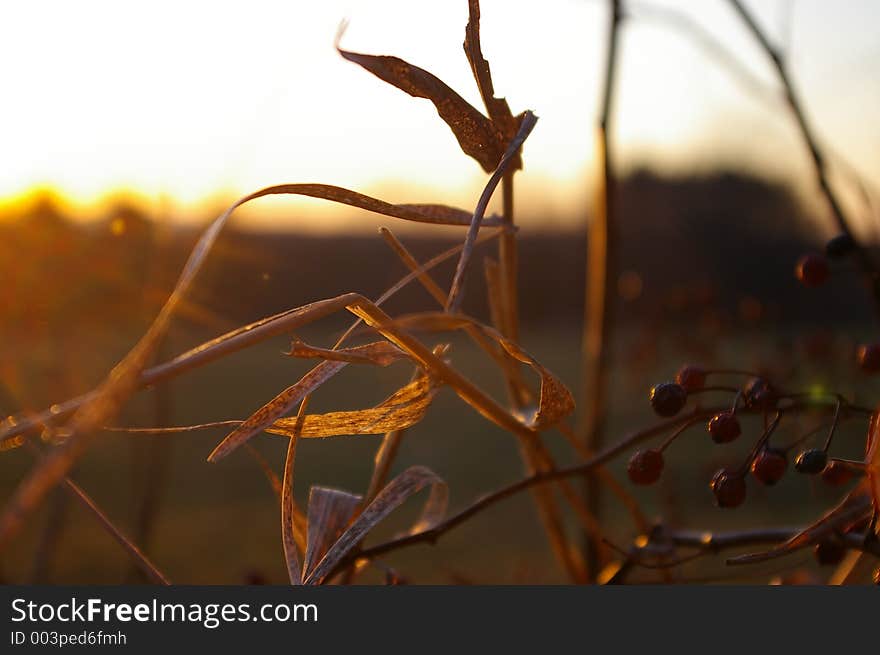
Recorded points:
840,246
645,466
829,551
812,270
759,394
691,378
729,489
769,466
868,356
837,474
667,398
724,427
811,462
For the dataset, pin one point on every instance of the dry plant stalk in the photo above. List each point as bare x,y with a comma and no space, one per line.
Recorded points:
327,542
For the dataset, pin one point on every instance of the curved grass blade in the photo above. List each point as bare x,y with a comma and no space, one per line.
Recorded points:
555,400
403,409
330,512
411,481
477,136
276,408
380,353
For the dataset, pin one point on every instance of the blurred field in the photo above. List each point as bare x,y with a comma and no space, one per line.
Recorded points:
220,523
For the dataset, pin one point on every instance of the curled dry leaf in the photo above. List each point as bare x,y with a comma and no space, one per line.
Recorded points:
410,482
403,409
381,353
499,111
555,400
330,512
477,136
276,408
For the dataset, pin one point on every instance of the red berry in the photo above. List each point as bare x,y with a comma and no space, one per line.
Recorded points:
692,378
812,270
729,488
868,356
836,473
759,394
724,427
829,551
667,398
645,466
769,466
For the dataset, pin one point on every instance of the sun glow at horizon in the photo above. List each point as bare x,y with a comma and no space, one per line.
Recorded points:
114,102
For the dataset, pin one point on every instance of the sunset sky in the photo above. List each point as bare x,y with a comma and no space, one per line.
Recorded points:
192,102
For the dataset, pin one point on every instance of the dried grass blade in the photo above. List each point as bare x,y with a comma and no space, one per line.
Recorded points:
411,481
403,409
126,376
498,109
525,128
330,512
476,134
288,505
380,353
555,400
276,408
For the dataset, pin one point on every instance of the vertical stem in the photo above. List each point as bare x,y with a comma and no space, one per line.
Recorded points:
599,287
869,267
529,452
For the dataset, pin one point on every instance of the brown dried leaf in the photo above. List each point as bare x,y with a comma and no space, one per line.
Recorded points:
404,408
499,111
289,542
411,481
275,408
381,353
330,512
555,401
476,134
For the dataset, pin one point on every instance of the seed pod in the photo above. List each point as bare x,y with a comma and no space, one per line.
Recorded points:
645,467
691,378
667,398
759,394
729,489
812,270
724,427
811,462
829,551
868,357
769,466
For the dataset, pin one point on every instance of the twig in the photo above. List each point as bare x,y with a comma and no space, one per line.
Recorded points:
599,288
816,155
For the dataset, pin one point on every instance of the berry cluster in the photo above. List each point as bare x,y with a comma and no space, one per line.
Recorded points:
813,270
767,464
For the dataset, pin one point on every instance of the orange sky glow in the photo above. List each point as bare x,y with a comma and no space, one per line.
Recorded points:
188,105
